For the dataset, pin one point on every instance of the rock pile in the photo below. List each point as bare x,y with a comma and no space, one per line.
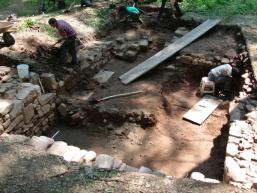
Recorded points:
75,154
229,57
241,153
129,49
95,56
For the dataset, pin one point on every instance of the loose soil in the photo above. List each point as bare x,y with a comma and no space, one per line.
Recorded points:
172,145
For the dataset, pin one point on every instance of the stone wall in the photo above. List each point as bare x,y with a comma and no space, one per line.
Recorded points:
241,153
23,107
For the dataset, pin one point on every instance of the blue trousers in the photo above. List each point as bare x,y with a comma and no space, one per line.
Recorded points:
221,80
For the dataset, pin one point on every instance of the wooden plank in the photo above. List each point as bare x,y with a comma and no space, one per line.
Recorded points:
202,110
173,48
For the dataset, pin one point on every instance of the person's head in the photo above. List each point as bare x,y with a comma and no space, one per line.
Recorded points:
235,72
52,22
122,10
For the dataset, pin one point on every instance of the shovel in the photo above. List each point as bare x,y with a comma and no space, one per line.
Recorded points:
94,101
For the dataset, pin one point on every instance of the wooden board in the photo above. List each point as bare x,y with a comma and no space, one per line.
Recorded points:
202,110
167,52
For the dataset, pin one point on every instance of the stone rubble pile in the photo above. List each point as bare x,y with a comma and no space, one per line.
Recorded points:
23,107
129,49
241,152
75,154
230,57
95,56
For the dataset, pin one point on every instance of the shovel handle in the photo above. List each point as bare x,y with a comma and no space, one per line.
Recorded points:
120,95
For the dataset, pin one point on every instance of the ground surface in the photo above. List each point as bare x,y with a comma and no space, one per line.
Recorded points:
22,170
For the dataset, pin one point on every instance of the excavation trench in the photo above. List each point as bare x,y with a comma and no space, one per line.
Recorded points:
147,129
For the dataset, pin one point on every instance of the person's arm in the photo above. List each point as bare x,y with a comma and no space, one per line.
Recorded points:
63,34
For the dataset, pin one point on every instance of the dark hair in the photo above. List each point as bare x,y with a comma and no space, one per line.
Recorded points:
52,21
122,9
235,72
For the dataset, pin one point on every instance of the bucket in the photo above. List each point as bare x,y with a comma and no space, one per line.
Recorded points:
23,71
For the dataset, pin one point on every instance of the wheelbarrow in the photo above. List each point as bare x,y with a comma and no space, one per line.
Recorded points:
6,26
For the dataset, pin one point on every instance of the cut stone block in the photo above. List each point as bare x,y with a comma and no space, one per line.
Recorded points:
41,142
58,148
104,161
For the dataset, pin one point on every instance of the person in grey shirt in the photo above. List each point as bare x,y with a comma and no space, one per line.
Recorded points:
222,75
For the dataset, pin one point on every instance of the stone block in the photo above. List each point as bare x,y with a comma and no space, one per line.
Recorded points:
78,157
159,173
48,81
62,109
58,148
104,161
28,94
46,109
34,78
6,123
131,169
46,98
5,69
15,138
145,170
14,123
28,113
10,94
17,109
5,106
197,176
233,171
71,151
232,149
116,164
122,167
90,156
143,44
41,142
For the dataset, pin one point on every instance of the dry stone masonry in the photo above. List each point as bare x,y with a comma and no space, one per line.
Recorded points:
74,154
23,107
241,153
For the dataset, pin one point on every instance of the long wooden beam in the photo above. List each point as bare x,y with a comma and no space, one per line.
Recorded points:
167,52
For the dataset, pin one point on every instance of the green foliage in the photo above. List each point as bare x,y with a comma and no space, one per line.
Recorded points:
27,23
4,3
97,17
221,7
47,28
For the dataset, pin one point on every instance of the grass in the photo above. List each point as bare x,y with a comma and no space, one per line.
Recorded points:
221,7
97,17
207,7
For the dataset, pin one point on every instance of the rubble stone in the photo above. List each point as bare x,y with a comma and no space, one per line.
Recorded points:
48,81
46,98
5,106
104,161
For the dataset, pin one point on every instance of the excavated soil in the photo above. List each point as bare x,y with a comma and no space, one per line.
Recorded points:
164,141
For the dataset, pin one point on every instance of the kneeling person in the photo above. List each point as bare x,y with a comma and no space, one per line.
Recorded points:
129,13
223,75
